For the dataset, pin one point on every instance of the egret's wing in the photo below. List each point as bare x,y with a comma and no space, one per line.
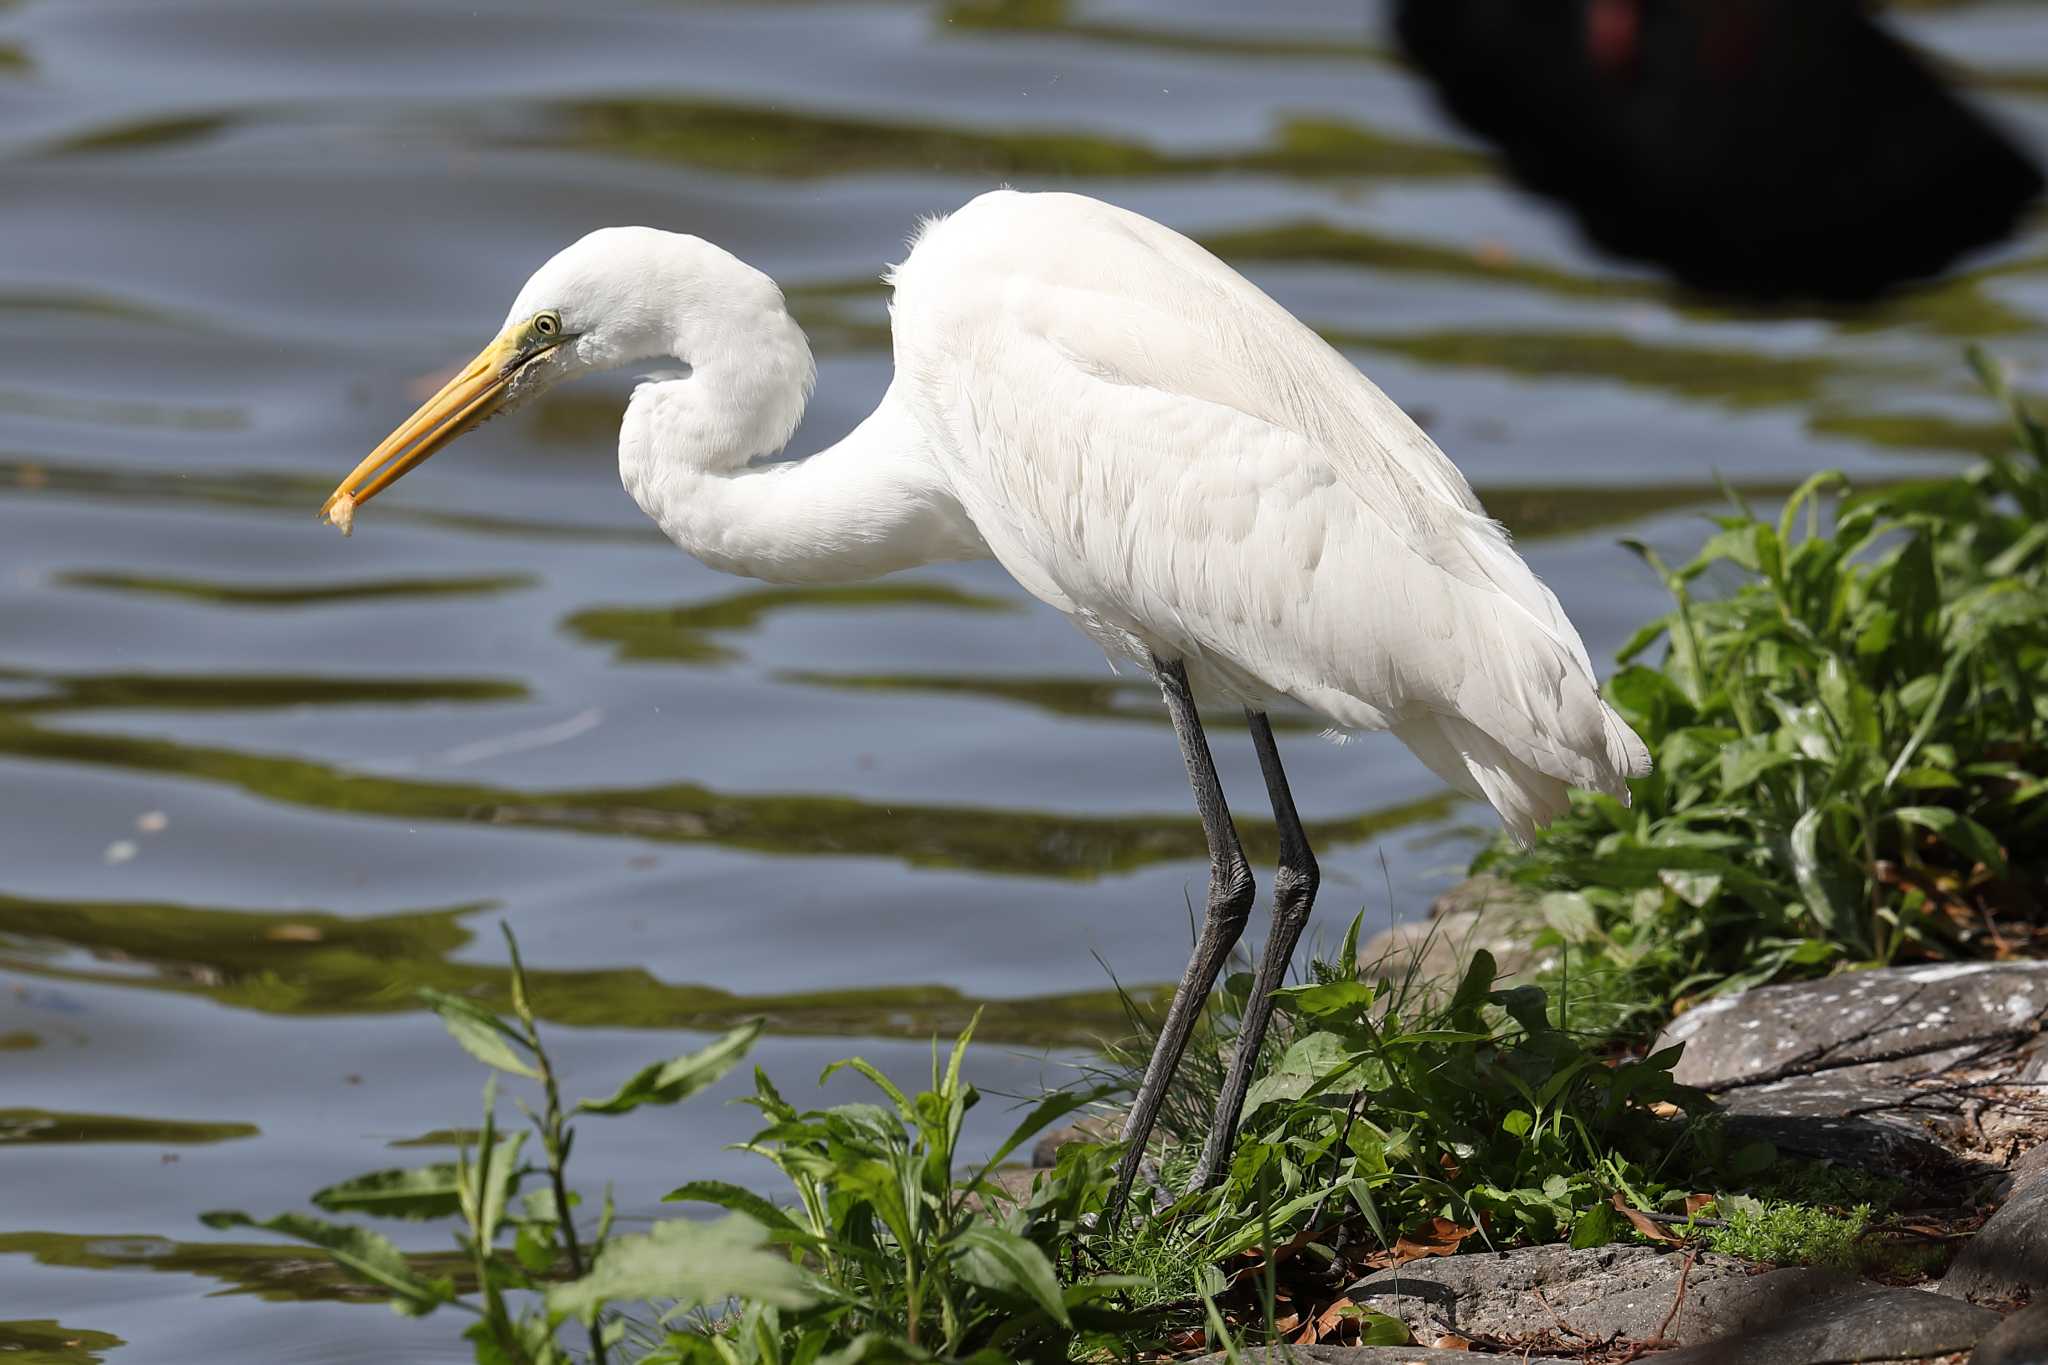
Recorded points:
1147,440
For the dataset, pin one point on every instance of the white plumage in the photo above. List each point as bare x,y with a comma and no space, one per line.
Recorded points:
1148,444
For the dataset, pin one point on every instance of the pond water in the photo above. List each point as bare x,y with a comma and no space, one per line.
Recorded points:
258,783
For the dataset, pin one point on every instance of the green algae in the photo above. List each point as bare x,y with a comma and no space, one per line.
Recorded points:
684,633
25,1126
295,595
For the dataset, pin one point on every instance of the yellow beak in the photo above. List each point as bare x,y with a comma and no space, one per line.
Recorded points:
463,402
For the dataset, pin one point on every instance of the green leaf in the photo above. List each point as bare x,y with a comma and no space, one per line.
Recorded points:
1572,915
1752,1158
1807,872
1518,1123
875,1078
694,1264
420,1192
996,1258
776,1219
1049,1110
1314,1059
1958,831
679,1078
1696,889
367,1255
482,1033
492,1181
1332,997
1596,1227
1377,1329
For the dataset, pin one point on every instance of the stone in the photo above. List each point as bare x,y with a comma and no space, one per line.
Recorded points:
1878,1324
1045,1152
1479,912
1857,1116
1370,1355
2021,1339
1915,1019
1587,1295
2008,1258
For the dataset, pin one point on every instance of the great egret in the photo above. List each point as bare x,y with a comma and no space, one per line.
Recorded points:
1148,444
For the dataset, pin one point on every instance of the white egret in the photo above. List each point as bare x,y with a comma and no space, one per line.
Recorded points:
1150,445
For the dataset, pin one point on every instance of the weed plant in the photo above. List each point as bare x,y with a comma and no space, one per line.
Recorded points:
1850,739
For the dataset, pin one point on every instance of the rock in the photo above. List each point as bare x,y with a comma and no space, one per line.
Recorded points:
2008,1258
1912,1019
1370,1355
2021,1339
1857,1116
1587,1295
1012,1186
1094,1128
1879,1324
1479,912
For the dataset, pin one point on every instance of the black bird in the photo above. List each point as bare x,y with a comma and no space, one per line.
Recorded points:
1768,149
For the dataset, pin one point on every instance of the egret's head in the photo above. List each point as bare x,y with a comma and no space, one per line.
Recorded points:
606,300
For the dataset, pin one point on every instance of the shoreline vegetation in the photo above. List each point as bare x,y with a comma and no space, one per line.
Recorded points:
1849,716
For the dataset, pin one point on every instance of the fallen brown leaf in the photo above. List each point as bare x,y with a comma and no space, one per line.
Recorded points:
1649,1227
1695,1202
1450,1341
1327,1324
1437,1237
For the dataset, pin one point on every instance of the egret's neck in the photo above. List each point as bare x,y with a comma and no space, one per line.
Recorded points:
700,454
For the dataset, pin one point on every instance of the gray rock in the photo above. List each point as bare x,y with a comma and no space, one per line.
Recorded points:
1857,1116
2021,1339
1479,912
1094,1128
1914,1018
1372,1355
2008,1258
1587,1295
1879,1324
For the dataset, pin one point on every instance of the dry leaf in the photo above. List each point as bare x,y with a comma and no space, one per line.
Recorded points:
1665,1109
1451,1341
1451,1167
1437,1237
1327,1323
1695,1202
1649,1227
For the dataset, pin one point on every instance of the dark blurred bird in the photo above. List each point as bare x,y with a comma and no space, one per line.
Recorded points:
1768,149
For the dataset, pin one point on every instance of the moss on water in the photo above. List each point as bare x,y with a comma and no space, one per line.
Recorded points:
1914,431
1134,700
1742,379
300,595
683,633
786,144
1057,18
233,692
45,1341
270,1271
305,963
19,1127
1013,842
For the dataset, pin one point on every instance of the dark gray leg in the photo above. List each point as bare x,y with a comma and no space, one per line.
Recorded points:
1294,892
1230,904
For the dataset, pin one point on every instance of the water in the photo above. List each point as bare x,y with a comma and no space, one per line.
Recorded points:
258,782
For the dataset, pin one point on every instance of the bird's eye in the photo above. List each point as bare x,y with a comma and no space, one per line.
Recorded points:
547,325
